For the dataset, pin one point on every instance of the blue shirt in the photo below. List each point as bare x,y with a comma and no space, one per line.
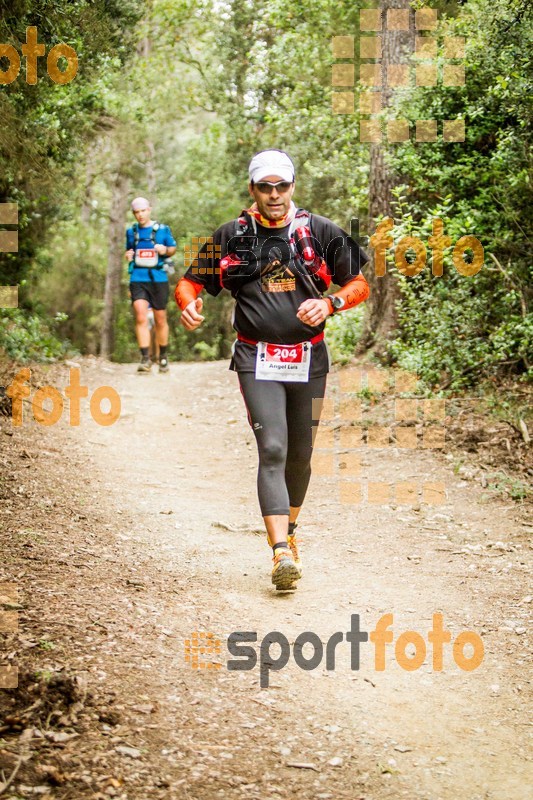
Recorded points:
162,236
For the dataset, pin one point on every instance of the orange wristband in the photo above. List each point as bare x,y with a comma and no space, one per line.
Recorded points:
186,291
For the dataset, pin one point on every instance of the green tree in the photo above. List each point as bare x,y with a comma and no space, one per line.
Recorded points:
454,329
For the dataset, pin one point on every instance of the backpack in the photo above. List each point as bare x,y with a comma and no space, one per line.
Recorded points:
236,269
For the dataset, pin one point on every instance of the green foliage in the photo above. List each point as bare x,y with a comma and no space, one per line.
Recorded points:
125,345
200,189
46,127
25,337
265,73
342,333
177,94
46,644
508,486
454,328
272,87
207,352
71,283
45,675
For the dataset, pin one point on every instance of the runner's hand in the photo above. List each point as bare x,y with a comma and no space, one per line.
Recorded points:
313,312
129,255
161,249
191,317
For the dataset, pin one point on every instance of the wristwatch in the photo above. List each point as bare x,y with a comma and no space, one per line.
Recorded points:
336,302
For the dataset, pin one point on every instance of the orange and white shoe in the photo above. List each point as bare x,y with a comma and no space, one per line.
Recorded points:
284,571
293,544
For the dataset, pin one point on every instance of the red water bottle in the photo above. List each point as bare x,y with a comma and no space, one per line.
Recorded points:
230,260
304,244
226,264
314,264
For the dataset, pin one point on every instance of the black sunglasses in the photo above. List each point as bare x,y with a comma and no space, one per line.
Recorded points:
265,187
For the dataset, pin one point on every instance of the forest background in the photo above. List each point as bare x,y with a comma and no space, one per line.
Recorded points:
171,99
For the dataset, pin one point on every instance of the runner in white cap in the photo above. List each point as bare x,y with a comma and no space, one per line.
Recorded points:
277,261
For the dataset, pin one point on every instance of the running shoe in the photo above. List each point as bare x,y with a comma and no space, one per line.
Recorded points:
293,544
163,365
284,570
145,366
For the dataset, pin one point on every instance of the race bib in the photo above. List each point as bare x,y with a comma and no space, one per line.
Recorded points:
146,258
283,362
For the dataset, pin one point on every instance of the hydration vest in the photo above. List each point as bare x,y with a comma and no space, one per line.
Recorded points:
150,261
238,268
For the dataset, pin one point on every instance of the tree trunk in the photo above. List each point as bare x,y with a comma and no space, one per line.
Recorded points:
381,317
151,180
90,173
144,49
115,260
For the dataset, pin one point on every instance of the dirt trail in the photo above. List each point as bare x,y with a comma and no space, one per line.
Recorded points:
156,536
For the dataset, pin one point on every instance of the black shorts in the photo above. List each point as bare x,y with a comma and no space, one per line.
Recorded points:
155,293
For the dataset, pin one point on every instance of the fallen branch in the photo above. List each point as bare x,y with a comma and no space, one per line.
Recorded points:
524,431
513,283
100,624
12,777
31,708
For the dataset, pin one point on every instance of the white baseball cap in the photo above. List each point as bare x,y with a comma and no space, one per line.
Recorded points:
139,204
271,162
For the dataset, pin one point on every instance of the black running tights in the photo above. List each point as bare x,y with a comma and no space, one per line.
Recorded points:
282,415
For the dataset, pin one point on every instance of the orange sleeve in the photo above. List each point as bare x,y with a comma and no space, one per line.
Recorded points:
354,292
186,292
